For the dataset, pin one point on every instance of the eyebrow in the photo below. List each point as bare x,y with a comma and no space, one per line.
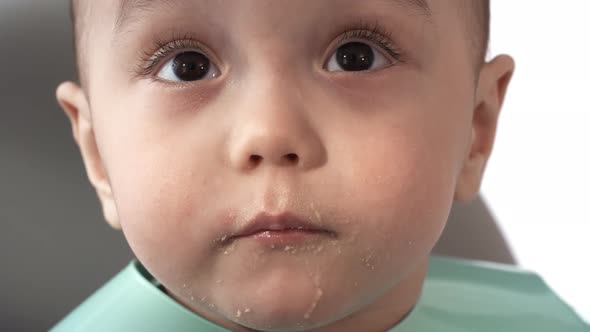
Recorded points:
127,8
420,6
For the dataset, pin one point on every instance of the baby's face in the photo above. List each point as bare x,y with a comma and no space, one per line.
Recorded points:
353,116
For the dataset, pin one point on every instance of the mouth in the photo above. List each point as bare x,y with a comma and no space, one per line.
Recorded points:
280,229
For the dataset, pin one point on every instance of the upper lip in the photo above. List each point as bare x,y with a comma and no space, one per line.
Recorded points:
278,222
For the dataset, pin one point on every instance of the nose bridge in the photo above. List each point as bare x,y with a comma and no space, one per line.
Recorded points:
273,125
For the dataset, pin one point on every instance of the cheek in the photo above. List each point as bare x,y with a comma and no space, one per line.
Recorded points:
161,189
400,189
409,195
157,204
404,170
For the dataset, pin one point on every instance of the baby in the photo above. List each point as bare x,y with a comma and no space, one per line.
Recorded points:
288,165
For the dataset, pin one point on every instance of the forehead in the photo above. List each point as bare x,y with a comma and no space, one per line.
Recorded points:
417,18
125,11
125,7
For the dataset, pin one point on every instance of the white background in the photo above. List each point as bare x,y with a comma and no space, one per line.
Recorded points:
538,179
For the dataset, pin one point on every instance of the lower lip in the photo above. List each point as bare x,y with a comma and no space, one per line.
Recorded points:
285,237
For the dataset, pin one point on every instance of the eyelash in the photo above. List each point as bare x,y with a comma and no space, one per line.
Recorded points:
373,32
150,61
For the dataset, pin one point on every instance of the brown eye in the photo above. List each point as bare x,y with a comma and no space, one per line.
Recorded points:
187,67
356,56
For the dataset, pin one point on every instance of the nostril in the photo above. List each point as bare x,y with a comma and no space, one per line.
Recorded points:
255,159
292,157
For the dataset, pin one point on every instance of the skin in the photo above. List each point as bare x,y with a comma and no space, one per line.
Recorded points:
382,155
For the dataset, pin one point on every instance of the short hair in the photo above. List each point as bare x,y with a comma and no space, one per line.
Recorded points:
476,14
77,33
479,11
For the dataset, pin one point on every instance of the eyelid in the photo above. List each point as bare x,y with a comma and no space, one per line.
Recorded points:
165,49
374,33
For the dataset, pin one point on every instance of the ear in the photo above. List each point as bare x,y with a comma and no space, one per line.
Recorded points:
73,100
491,89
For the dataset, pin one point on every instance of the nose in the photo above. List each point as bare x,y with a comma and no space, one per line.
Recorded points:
273,129
262,147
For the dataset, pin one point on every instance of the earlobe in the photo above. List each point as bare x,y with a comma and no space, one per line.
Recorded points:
493,83
74,103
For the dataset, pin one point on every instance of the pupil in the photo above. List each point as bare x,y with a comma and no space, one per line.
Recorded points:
355,56
191,66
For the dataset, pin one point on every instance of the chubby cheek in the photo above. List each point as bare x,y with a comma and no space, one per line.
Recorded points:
162,197
159,207
402,191
408,206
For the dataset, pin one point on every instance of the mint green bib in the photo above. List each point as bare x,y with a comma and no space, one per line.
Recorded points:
458,296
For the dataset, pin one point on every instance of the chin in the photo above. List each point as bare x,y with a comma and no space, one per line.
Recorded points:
274,322
281,300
